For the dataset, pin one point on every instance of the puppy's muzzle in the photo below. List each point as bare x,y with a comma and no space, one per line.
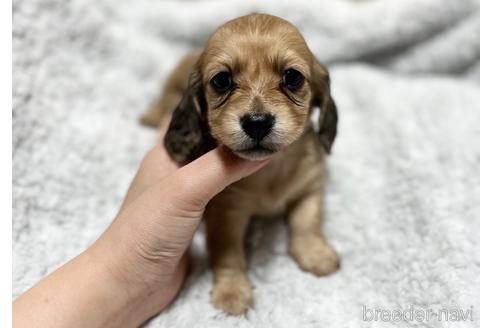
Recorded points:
257,125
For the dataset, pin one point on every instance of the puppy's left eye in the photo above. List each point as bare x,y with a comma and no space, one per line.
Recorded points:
222,82
292,79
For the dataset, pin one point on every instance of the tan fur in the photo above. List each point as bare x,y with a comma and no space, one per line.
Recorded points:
231,47
293,181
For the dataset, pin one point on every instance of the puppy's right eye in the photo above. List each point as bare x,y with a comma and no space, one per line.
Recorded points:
292,79
222,82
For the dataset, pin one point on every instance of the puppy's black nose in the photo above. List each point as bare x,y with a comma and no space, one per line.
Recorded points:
257,125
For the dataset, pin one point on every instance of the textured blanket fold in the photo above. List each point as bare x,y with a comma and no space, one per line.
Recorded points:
402,203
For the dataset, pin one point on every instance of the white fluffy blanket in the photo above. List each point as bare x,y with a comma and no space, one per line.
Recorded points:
402,205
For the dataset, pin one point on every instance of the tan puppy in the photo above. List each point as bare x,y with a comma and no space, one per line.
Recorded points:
252,89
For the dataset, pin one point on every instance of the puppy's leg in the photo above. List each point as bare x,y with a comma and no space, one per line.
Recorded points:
226,230
306,242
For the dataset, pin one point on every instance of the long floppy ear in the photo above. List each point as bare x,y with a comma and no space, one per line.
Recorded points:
328,116
188,136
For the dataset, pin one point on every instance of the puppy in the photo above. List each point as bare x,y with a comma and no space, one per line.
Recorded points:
252,89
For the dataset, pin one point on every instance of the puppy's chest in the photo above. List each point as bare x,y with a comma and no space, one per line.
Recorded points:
272,189
277,189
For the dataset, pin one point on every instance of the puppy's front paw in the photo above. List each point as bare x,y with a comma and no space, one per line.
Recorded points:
315,256
232,294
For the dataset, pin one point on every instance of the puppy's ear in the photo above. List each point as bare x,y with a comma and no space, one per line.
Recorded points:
328,116
188,136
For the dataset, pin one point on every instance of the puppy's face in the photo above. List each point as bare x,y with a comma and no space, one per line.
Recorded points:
253,87
256,73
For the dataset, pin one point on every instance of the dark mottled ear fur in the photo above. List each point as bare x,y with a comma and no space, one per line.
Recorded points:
328,116
188,136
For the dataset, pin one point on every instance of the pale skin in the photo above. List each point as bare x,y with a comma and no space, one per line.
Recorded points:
137,266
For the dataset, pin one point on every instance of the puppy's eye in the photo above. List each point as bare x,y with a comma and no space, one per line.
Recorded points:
222,82
292,79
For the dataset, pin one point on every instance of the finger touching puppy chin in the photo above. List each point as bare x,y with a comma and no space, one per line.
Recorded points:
254,155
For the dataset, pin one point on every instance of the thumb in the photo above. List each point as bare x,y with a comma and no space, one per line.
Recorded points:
187,191
171,209
198,182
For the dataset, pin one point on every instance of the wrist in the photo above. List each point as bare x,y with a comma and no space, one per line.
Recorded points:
117,304
122,297
143,287
82,293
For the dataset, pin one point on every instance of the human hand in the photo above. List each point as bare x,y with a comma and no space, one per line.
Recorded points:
136,268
